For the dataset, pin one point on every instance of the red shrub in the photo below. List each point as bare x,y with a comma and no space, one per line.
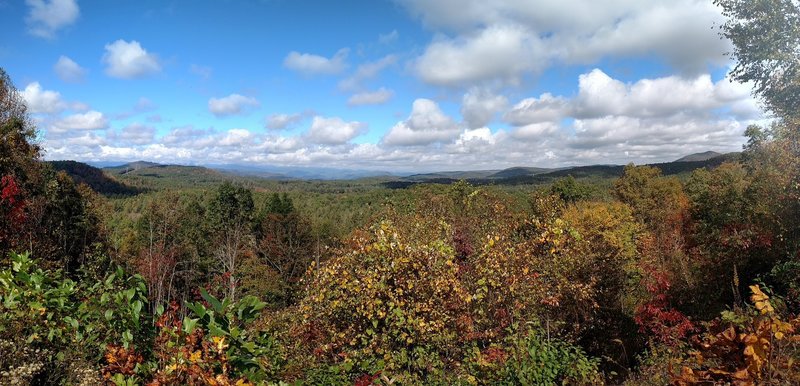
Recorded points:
656,316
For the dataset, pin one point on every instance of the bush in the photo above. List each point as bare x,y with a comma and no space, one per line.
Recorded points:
538,360
53,328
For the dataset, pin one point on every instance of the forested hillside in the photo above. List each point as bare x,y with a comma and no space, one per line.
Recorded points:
637,277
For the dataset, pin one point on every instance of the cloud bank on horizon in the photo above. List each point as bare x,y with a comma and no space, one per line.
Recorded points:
405,85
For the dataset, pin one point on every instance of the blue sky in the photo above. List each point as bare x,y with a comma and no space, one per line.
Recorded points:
405,85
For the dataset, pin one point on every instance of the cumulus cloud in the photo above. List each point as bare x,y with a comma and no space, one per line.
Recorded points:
69,71
128,60
42,101
236,137
377,97
91,120
231,105
45,17
600,95
427,124
285,121
502,52
133,134
279,145
546,108
472,141
311,64
479,107
366,72
503,41
650,119
536,131
334,130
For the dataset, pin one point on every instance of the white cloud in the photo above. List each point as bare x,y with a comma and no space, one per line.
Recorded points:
42,101
334,130
45,17
280,145
69,71
129,60
501,52
600,95
134,134
544,109
310,64
506,40
427,124
535,131
366,72
479,107
282,121
648,120
231,105
236,137
376,97
92,120
473,140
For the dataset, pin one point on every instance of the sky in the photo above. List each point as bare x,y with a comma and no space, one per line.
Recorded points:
403,85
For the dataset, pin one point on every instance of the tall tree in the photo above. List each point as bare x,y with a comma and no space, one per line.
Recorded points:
285,243
766,45
231,217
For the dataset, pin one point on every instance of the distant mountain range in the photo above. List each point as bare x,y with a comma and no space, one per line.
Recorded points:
533,175
704,156
111,179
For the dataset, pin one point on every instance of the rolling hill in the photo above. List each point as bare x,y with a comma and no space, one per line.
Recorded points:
95,178
533,175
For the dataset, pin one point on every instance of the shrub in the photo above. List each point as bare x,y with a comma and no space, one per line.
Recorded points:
54,327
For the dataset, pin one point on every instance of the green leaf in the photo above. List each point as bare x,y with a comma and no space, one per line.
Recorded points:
130,293
189,325
72,322
137,309
197,308
109,314
110,279
215,330
215,304
127,338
